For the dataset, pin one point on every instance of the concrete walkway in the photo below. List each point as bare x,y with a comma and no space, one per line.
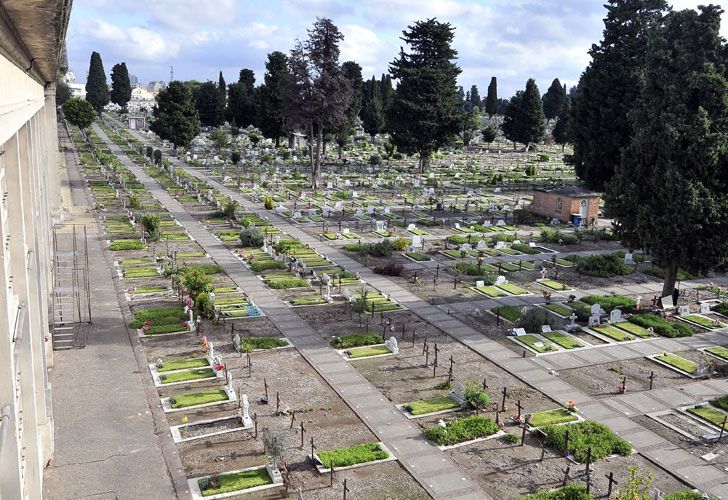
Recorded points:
106,443
689,468
432,468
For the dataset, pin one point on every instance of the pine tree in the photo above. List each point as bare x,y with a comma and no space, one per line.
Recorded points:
174,118
352,72
426,111
524,120
241,102
372,113
120,85
474,97
209,105
669,194
97,91
609,88
270,103
562,129
491,100
553,100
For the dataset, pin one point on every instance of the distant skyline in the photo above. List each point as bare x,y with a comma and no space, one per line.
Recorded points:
511,39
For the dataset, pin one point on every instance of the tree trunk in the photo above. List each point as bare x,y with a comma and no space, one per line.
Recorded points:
317,159
309,143
278,142
670,279
424,162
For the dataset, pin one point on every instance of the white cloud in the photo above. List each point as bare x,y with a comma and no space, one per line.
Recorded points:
363,46
258,44
134,42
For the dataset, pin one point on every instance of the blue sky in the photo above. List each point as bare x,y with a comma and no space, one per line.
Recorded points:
511,39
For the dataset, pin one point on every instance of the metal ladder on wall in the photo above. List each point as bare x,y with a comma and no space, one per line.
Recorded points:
71,304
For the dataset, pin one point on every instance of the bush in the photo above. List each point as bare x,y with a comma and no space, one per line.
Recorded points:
661,326
584,435
684,495
602,266
610,302
533,318
530,170
721,308
251,237
375,160
264,265
476,396
268,203
544,157
391,268
524,248
401,244
134,202
511,438
150,225
196,282
472,270
204,306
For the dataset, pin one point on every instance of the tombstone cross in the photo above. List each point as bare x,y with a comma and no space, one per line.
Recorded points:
566,443
346,489
566,474
652,378
503,402
588,469
303,431
265,386
449,372
519,407
612,482
313,447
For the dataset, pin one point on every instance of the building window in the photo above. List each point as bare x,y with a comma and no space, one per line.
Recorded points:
559,205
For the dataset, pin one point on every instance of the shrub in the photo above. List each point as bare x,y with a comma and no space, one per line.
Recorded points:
472,270
533,318
476,396
251,237
375,160
150,225
268,203
204,306
252,343
572,491
530,170
524,248
511,438
264,265
602,266
401,244
381,249
661,326
721,308
610,302
157,157
684,495
544,157
584,435
391,268
196,282
134,202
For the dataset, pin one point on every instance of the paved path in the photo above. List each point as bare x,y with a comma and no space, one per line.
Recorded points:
432,468
105,433
691,469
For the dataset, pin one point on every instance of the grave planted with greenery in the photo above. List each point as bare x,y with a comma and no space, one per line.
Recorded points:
235,481
462,430
359,454
585,435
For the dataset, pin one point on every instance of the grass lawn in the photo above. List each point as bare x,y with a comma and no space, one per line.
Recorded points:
613,333
553,285
710,414
551,417
719,351
252,343
563,340
564,263
559,309
188,375
461,430
343,457
235,481
150,289
508,312
183,364
490,291
633,329
704,322
198,398
678,362
532,340
367,351
355,340
584,435
513,289
419,257
309,301
431,405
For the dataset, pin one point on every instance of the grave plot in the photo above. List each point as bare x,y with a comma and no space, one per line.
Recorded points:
691,364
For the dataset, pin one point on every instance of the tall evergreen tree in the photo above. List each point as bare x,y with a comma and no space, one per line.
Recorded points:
317,94
209,105
553,100
352,72
426,111
524,118
241,102
669,194
491,100
270,103
174,118
474,97
562,129
97,90
222,88
120,85
609,88
372,112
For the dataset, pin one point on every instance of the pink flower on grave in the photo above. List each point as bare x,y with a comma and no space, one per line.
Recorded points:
571,407
219,367
186,324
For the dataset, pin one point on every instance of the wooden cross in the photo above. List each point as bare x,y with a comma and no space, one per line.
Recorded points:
413,336
543,450
652,378
424,345
427,355
303,431
588,469
566,474
437,350
485,384
265,386
313,448
249,365
503,403
331,484
722,427
278,402
255,421
449,372
612,482
293,419
519,407
523,432
346,489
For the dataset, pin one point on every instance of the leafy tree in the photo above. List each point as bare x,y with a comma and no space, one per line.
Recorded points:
474,97
491,100
210,105
120,85
229,209
489,134
174,118
562,129
317,94
669,195
609,88
471,122
97,91
150,225
222,88
63,92
524,118
235,157
372,112
220,139
79,112
196,281
270,102
553,100
158,157
241,103
425,113
352,72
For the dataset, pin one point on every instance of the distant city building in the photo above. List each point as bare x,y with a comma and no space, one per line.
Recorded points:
141,99
133,80
567,204
78,90
155,87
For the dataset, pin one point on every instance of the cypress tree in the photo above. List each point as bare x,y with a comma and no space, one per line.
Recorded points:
174,118
120,85
270,102
562,129
524,118
553,100
209,105
474,97
372,113
491,100
609,88
352,72
97,90
222,88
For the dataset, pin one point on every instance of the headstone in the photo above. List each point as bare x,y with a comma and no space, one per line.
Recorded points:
338,205
519,331
482,245
683,310
370,210
237,343
458,392
486,223
416,183
544,272
538,345
392,345
297,215
545,329
380,225
596,309
501,223
416,240
326,211
573,317
229,384
479,284
329,185
615,316
457,225
667,302
501,280
345,230
354,194
211,352
466,247
245,409
629,258
387,210
347,182
704,308
191,321
411,227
